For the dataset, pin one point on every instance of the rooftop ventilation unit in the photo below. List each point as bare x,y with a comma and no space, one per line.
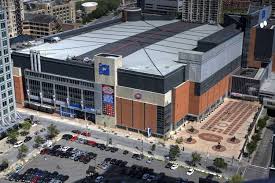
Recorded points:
87,60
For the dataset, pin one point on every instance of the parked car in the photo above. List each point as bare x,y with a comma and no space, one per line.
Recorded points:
174,166
125,152
190,171
18,144
99,179
85,133
27,139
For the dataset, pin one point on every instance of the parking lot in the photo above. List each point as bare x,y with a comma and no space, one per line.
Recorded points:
112,173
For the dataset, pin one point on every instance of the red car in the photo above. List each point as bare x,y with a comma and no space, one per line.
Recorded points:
44,151
85,133
91,143
35,179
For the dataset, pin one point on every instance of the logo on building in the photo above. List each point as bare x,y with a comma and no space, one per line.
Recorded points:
138,96
263,14
104,69
107,89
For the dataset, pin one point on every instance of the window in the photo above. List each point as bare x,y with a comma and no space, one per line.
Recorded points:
4,103
9,84
11,108
7,68
6,59
8,76
6,51
4,34
3,87
3,95
10,92
5,43
3,25
11,100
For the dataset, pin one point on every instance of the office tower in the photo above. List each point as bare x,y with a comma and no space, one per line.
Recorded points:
15,14
7,104
202,11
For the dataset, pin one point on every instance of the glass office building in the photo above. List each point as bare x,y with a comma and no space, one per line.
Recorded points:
7,98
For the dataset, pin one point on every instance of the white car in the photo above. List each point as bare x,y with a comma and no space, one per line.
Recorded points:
18,144
145,176
174,166
190,171
64,148
99,179
149,161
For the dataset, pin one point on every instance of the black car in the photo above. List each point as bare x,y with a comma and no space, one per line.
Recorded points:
27,139
113,161
4,166
135,156
123,164
107,160
125,152
118,162
114,149
67,137
168,165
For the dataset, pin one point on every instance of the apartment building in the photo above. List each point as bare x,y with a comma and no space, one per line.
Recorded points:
161,6
202,11
39,25
7,98
63,9
15,14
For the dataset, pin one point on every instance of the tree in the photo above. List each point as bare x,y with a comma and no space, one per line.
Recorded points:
236,179
179,140
153,148
196,158
174,152
251,147
12,136
38,141
219,163
52,131
5,162
26,126
22,151
261,123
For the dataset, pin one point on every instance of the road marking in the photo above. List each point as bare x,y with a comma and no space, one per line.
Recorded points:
258,166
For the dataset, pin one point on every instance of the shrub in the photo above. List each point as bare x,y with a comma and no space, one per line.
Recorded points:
179,140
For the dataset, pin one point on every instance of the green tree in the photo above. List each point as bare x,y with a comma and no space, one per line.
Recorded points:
52,131
261,123
153,148
179,140
251,147
22,151
12,136
26,125
38,141
174,151
236,179
196,158
5,162
219,163
256,137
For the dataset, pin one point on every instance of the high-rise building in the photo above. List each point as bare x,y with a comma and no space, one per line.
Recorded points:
202,11
161,6
270,2
15,15
63,9
7,98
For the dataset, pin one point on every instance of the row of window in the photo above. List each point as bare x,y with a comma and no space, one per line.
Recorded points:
59,79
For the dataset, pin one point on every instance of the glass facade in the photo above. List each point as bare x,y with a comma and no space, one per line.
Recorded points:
7,98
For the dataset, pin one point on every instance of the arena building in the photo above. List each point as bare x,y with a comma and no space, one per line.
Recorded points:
144,75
